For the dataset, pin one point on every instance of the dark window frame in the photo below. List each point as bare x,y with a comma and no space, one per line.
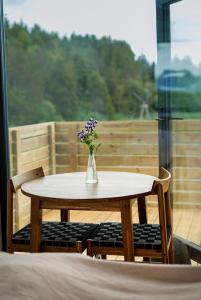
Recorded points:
164,97
4,153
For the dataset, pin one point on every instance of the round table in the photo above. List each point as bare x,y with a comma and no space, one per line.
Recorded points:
115,191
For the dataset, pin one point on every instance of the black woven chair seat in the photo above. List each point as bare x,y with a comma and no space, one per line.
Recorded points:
61,234
146,236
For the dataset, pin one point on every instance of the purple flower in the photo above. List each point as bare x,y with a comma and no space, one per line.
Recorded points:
91,124
81,134
88,127
88,135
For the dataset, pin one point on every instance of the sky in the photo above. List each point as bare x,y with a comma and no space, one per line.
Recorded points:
131,20
186,29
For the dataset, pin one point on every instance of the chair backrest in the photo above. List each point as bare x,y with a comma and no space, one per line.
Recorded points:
161,188
18,180
163,180
14,185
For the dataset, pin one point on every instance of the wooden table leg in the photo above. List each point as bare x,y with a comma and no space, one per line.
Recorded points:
142,213
127,230
65,215
36,222
142,210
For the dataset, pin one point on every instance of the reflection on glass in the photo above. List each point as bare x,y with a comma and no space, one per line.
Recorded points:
185,90
185,68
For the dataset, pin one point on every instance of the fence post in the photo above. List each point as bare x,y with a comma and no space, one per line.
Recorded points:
16,169
16,151
73,146
52,151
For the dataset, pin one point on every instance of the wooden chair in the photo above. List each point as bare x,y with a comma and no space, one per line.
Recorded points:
150,240
56,236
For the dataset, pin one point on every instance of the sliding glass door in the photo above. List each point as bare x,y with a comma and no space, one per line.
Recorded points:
185,86
179,90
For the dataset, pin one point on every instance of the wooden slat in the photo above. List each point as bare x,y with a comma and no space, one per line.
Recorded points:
186,149
122,149
183,230
187,137
129,137
39,163
34,155
62,137
62,148
64,126
189,197
136,169
33,129
113,126
64,169
187,125
186,161
183,184
187,172
63,160
129,160
34,142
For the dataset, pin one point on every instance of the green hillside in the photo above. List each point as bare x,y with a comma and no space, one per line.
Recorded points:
52,78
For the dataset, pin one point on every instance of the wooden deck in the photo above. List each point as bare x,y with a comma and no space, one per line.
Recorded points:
187,221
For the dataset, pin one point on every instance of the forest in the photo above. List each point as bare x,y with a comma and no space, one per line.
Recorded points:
53,78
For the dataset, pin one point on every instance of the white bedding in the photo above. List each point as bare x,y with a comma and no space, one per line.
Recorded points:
74,276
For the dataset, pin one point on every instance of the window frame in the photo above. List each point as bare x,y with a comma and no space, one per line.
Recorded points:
4,153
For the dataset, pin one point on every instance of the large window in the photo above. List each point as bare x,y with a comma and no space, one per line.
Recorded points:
70,59
178,79
186,103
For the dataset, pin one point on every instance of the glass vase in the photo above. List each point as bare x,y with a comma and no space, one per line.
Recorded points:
91,175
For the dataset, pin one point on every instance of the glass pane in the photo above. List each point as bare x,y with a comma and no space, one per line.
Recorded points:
185,88
70,60
69,64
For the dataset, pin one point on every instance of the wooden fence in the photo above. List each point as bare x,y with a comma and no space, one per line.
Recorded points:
125,146
30,147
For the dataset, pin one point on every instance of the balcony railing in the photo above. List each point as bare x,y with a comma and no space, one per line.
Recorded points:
125,146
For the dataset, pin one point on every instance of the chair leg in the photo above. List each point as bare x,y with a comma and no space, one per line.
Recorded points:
171,252
89,249
79,246
142,210
168,208
10,249
65,215
146,259
163,224
165,259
